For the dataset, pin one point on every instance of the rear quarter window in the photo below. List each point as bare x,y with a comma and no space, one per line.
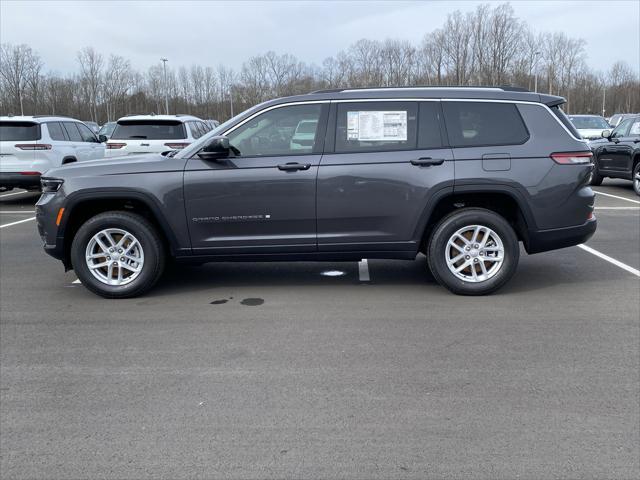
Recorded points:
480,124
19,131
557,111
149,130
55,131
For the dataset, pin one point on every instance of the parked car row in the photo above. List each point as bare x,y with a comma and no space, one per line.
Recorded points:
31,145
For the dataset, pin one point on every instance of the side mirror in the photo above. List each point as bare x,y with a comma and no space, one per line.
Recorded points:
217,148
606,133
102,138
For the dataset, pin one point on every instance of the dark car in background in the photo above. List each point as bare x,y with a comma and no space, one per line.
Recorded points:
462,175
617,155
616,119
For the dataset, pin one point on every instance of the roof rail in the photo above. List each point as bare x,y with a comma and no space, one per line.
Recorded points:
47,116
506,88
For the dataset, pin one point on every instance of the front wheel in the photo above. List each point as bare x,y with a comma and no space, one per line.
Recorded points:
118,254
473,251
636,178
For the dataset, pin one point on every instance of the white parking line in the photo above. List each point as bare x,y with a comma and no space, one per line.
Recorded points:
11,194
363,270
608,208
24,212
615,262
617,196
77,280
15,223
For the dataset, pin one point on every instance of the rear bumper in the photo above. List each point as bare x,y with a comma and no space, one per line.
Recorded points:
545,240
18,180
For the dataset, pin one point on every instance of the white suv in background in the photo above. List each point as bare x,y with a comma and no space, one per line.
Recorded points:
154,134
29,146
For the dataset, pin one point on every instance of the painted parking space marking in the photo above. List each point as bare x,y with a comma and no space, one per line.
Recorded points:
77,281
617,196
12,194
22,212
608,208
611,260
16,223
363,270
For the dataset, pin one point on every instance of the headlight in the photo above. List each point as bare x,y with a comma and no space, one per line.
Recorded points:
51,185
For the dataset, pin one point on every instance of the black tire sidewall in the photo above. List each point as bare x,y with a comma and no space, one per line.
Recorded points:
149,241
636,171
452,223
596,178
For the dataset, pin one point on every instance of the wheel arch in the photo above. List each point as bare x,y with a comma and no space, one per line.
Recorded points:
82,206
502,200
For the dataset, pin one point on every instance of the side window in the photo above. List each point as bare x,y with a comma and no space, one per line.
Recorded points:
622,130
429,132
56,131
86,134
479,124
204,128
634,131
72,131
289,130
376,126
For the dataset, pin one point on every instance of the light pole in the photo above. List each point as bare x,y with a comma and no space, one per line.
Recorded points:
166,95
535,82
604,96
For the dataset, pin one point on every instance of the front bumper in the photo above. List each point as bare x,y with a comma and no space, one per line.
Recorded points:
19,180
47,210
545,240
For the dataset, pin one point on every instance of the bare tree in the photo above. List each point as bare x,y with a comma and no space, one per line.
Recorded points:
91,63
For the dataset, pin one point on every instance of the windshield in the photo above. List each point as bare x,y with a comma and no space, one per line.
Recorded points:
202,141
107,129
595,123
19,131
149,130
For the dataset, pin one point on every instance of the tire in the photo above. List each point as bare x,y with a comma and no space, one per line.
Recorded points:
596,178
499,235
635,177
145,256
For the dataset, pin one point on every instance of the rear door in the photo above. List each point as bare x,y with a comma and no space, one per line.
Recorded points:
263,199
81,150
383,162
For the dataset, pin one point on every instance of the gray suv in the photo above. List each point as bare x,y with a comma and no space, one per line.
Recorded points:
460,174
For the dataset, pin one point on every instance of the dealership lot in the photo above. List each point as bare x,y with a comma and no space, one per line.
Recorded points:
367,370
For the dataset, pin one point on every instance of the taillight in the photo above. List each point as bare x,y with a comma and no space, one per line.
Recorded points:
115,146
33,146
29,173
572,158
176,146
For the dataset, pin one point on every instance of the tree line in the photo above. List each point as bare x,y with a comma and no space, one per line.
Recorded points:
489,46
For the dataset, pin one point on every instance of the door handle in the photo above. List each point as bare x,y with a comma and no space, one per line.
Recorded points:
292,166
427,162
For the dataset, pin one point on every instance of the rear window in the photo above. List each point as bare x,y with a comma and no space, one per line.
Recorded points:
557,111
149,130
19,131
480,124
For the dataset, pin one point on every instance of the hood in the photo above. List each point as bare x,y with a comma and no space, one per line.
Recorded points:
592,133
127,164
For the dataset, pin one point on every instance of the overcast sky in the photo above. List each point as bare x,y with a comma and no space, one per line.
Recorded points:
210,33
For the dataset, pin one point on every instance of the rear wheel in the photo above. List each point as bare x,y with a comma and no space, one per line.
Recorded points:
636,178
118,254
473,252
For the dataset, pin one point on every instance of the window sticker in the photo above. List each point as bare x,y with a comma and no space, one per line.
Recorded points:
377,126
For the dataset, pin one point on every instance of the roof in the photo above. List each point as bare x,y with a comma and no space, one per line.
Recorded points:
39,118
461,92
179,117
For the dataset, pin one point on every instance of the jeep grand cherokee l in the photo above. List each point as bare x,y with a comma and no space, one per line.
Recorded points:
460,174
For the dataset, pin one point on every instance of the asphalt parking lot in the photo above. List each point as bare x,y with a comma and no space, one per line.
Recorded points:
308,370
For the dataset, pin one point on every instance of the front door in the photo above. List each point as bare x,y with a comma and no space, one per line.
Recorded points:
263,198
